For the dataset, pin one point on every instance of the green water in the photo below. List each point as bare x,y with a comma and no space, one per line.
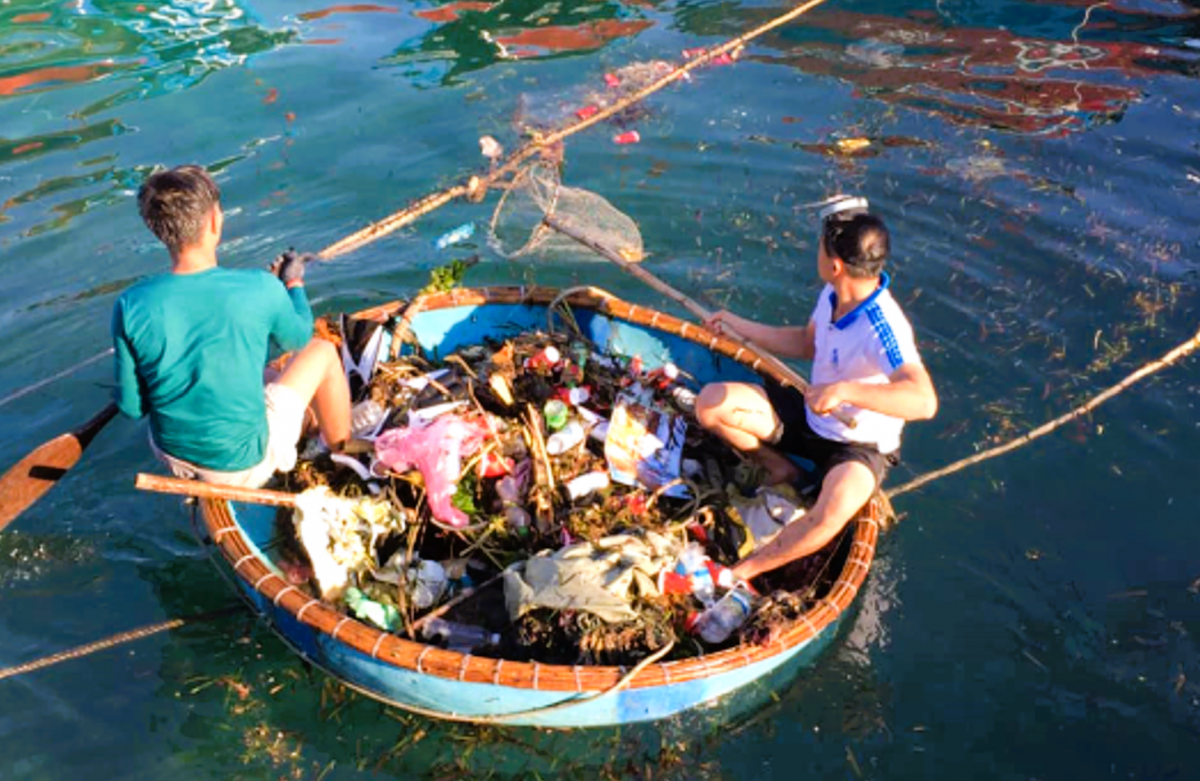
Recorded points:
1030,618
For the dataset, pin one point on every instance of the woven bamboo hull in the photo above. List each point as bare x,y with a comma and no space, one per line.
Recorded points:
450,685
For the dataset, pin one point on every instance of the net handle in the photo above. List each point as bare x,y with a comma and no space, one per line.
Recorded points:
790,376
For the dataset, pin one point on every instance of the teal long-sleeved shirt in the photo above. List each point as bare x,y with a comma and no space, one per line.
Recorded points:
190,352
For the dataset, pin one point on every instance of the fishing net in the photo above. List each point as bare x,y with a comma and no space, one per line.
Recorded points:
519,223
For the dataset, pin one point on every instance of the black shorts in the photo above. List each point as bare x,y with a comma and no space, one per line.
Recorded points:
799,439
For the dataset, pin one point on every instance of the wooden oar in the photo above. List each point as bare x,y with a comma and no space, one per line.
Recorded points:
631,266
40,471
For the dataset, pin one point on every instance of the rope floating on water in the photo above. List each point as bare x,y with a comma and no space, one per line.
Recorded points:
476,186
42,383
115,640
1171,358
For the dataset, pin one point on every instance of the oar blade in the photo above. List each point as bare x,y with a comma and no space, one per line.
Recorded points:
37,473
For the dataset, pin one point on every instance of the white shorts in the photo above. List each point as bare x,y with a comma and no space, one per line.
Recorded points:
285,422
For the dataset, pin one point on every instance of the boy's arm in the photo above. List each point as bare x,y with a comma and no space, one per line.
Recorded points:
292,326
789,341
908,394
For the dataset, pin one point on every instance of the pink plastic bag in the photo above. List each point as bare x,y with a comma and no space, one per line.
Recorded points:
437,451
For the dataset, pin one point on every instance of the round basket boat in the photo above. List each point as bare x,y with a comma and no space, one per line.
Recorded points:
445,684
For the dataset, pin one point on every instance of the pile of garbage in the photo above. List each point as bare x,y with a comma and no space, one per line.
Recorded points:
540,499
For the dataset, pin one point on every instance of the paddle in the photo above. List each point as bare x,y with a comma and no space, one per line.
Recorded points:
38,472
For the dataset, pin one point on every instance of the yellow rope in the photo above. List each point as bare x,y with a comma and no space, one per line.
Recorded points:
476,186
1172,357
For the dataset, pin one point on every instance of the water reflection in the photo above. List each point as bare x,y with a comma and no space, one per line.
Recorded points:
473,35
131,52
974,76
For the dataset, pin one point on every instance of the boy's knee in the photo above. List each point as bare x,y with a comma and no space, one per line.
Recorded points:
324,350
709,402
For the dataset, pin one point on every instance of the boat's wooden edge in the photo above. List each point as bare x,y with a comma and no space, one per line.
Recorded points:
429,660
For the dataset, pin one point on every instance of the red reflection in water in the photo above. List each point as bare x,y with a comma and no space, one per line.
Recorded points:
323,41
589,35
984,77
22,82
23,148
26,18
448,13
354,8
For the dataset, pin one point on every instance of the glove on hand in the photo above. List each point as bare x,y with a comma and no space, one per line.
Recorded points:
289,266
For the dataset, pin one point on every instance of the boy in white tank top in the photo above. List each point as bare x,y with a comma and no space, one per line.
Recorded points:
865,366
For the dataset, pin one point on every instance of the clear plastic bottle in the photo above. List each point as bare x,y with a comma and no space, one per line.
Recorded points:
684,398
509,491
693,564
456,636
568,437
365,417
427,580
716,624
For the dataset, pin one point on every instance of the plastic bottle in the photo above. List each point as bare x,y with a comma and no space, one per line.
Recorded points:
545,359
461,233
587,483
716,624
580,353
428,582
684,398
509,491
578,395
628,137
365,418
556,414
562,441
458,636
693,564
663,376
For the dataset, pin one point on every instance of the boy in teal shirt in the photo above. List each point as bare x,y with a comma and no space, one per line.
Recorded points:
191,346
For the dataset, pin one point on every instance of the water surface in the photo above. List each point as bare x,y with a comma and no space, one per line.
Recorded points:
1032,617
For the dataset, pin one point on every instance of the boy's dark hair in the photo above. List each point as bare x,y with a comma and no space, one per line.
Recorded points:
175,202
861,240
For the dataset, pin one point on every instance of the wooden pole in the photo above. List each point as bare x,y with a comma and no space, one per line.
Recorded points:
790,375
233,493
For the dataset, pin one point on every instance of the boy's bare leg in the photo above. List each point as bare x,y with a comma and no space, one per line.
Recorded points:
844,491
315,374
742,415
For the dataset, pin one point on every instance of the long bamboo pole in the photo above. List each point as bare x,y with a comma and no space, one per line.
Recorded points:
1169,359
